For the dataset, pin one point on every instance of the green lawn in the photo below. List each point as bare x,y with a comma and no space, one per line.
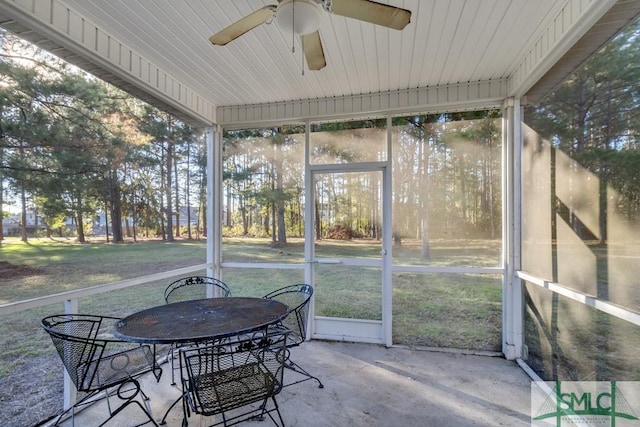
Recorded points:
424,304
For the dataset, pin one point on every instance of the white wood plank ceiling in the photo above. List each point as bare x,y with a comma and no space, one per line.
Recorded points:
448,42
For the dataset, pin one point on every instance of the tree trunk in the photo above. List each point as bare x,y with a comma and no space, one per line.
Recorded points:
127,226
169,172
162,194
265,224
202,216
80,222
273,220
424,195
134,216
129,216
188,192
279,206
23,218
282,230
106,218
245,220
35,224
1,182
1,190
317,217
176,198
229,210
116,211
425,248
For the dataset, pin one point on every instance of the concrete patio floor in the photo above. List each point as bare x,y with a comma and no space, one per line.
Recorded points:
369,385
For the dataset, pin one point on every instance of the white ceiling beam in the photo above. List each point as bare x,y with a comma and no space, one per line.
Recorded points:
456,97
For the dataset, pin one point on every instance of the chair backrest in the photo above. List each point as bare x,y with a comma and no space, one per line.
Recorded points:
92,357
74,337
229,375
297,298
194,287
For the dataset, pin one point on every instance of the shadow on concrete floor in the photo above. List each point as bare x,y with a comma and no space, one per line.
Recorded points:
370,385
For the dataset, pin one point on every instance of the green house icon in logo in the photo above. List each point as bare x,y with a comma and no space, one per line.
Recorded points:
561,404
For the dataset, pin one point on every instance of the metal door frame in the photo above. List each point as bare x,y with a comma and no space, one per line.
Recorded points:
340,329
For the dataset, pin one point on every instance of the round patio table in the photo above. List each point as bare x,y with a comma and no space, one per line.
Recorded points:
199,320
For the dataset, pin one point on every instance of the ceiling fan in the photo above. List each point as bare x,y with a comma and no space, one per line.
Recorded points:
303,17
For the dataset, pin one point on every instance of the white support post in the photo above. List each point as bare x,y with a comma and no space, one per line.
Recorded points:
69,389
387,247
512,296
214,202
217,203
309,229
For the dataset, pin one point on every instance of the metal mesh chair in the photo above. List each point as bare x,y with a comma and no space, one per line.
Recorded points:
235,379
297,298
96,362
194,287
189,288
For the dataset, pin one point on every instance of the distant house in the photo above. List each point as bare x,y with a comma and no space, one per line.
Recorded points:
102,223
11,224
184,217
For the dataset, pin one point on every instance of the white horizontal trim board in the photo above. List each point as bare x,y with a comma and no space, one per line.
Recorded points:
62,25
457,97
397,268
581,297
348,167
361,330
356,262
274,266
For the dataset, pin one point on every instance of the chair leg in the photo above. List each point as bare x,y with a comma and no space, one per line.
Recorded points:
121,391
130,400
263,409
291,365
72,409
157,370
277,409
59,417
171,359
166,414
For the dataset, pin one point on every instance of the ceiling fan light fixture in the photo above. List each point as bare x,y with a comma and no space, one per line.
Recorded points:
301,17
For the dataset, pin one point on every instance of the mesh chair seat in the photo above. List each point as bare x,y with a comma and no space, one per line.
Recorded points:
96,363
297,299
238,385
229,376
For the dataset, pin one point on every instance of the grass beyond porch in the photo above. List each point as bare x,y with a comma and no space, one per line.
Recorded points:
445,310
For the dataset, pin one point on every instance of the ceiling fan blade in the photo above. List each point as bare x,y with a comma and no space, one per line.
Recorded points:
243,26
313,51
373,12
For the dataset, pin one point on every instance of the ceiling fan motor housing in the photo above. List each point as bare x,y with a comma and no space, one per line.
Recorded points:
301,17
